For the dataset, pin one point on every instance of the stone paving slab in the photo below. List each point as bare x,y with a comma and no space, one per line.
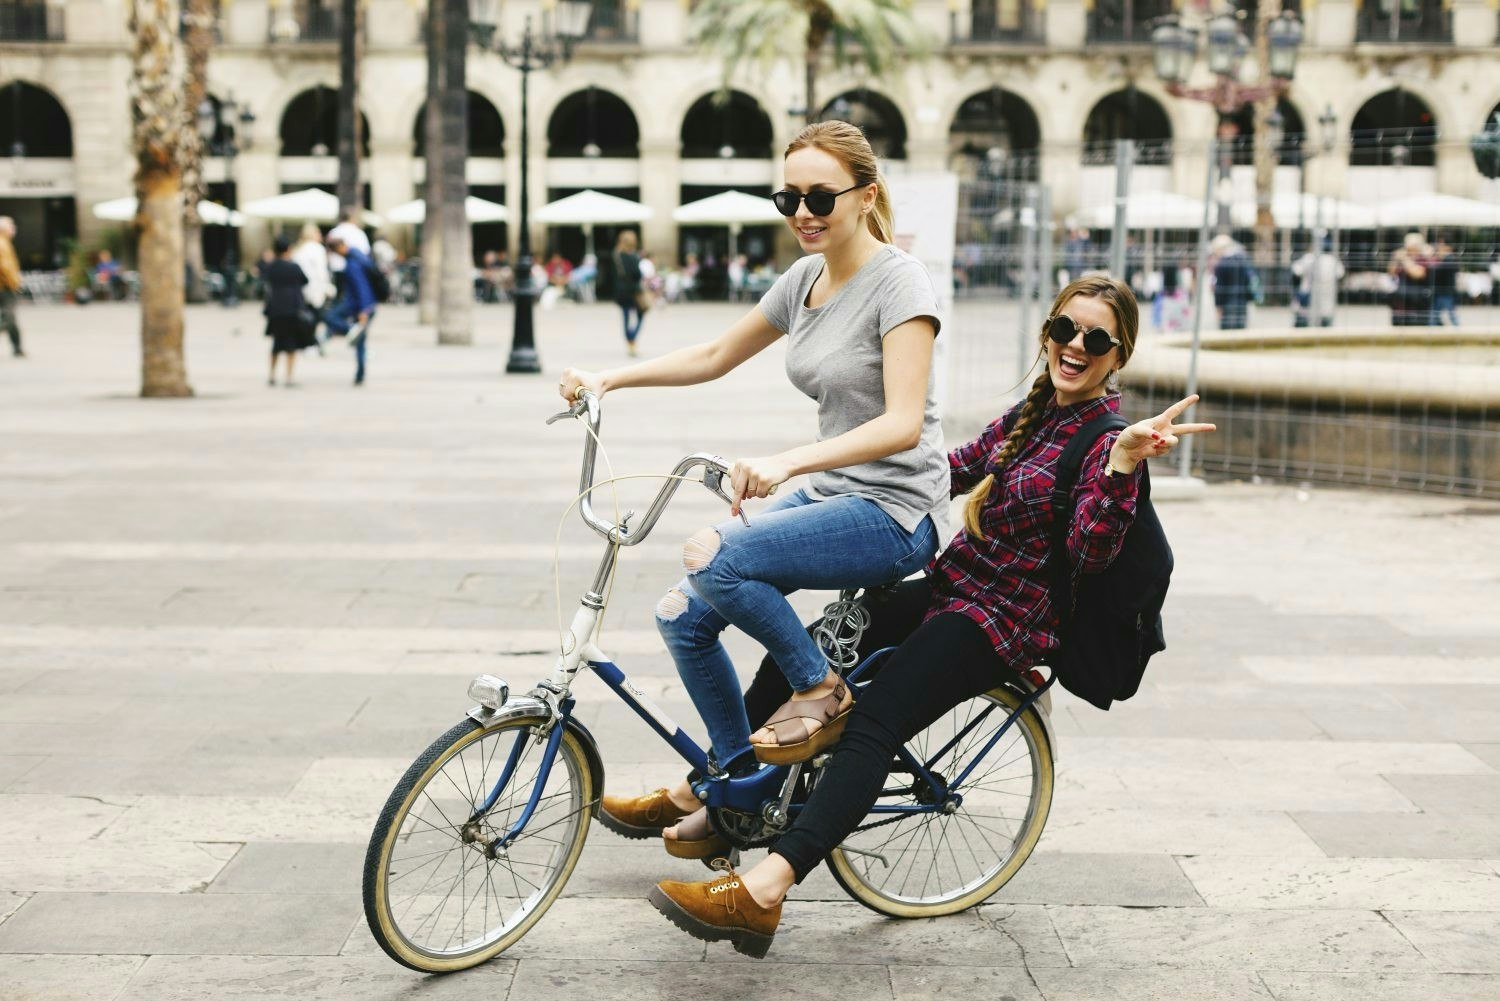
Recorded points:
77,978
322,978
1175,832
54,818
276,867
1489,752
568,980
1452,793
1381,987
10,902
1151,985
1081,878
192,775
14,767
1409,835
1129,938
111,866
1453,941
1345,883
246,818
180,923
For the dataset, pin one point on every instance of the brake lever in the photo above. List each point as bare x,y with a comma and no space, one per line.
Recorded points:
714,480
574,411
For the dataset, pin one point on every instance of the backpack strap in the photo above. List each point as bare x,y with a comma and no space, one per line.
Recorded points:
1069,464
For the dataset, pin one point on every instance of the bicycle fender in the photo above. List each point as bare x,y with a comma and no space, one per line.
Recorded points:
595,762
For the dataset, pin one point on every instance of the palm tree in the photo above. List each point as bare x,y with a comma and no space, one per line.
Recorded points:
159,124
432,141
874,34
456,295
350,18
198,19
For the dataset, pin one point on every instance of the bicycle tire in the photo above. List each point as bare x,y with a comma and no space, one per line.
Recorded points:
938,877
551,843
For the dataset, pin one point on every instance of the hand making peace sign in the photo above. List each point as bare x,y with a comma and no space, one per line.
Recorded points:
1154,436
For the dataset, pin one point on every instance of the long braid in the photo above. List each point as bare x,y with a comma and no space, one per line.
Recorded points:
1031,411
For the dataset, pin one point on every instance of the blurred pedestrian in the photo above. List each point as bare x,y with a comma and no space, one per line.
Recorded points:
10,284
348,230
1318,275
1411,300
284,307
355,308
620,279
1445,268
1233,282
312,257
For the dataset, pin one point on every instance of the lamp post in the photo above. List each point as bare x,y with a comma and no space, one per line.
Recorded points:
1175,49
532,52
1328,124
224,122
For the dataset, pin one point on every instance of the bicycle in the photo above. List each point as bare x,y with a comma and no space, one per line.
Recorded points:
481,833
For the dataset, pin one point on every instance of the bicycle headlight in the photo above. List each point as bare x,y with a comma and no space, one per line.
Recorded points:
489,691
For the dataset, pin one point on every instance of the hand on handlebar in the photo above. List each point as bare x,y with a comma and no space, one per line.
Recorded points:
756,478
575,378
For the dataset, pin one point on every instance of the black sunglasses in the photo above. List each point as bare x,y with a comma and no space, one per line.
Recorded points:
1096,340
819,202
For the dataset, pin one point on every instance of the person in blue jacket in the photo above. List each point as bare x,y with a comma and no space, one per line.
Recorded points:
352,314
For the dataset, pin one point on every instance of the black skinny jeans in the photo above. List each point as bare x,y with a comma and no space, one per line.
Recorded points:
937,665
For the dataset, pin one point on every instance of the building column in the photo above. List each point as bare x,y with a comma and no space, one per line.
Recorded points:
661,191
389,171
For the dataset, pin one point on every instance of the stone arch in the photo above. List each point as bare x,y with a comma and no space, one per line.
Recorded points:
993,125
593,121
876,115
1393,127
486,129
311,120
735,122
33,122
1129,113
1293,131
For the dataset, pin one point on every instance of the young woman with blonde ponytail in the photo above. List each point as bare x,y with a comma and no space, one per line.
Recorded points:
984,610
860,317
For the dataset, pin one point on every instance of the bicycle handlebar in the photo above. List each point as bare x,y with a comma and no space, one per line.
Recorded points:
715,469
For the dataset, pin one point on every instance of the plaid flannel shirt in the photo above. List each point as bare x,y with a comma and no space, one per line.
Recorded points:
1002,582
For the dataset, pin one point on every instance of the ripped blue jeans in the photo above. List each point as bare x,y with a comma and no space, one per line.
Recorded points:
740,576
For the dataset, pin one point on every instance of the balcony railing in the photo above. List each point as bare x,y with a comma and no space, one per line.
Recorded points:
1000,22
1126,22
31,22
312,22
1423,21
611,24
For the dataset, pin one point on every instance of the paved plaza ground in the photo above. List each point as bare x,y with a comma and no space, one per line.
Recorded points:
227,625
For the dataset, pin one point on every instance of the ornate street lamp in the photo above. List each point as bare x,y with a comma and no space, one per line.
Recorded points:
226,122
1283,40
570,21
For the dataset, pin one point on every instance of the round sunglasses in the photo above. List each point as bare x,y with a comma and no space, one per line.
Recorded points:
1096,340
819,202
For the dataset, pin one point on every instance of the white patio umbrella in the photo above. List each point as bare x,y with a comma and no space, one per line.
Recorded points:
1151,210
591,208
307,205
734,209
1437,210
477,209
123,210
1291,210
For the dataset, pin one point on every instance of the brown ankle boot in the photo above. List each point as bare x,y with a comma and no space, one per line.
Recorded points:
718,909
640,816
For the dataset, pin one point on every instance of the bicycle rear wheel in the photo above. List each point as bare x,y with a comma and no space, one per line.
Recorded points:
929,863
439,893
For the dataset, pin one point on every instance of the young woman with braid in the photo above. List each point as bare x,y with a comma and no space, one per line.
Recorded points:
983,612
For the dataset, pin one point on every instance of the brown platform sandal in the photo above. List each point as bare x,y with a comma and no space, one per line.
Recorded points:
795,740
696,838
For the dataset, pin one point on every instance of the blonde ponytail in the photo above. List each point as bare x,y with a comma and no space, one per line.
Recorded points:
1036,401
881,219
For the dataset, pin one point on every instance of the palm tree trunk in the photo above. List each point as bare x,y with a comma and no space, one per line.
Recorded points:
456,300
819,24
349,139
199,20
432,141
1266,155
156,109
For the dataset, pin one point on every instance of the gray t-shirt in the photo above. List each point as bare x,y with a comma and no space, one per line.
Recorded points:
834,356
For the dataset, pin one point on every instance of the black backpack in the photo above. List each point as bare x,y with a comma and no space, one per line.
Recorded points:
1112,624
380,283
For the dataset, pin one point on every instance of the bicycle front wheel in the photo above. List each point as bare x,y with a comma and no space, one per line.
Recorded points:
933,861
441,892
